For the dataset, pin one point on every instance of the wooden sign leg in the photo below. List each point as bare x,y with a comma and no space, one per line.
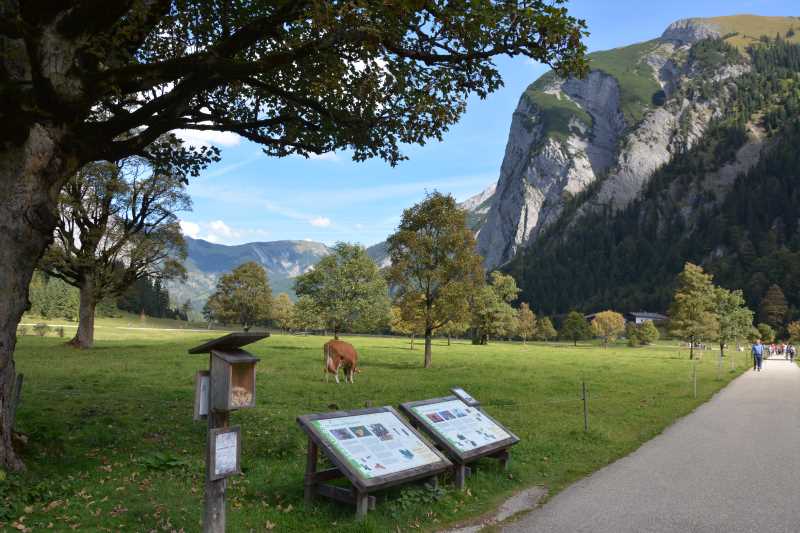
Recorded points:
460,475
362,504
311,469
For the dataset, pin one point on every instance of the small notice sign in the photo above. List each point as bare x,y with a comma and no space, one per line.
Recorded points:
465,432
465,397
225,452
201,394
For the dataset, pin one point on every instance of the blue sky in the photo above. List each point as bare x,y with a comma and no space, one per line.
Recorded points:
251,197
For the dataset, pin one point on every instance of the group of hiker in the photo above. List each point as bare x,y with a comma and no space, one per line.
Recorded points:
760,351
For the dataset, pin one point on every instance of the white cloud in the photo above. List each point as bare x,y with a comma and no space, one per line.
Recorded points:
221,228
208,138
190,229
320,222
218,231
327,156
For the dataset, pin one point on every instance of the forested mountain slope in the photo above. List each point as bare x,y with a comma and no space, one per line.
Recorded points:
640,107
730,200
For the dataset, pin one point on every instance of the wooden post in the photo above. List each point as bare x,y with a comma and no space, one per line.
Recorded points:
311,470
362,504
460,476
585,398
214,504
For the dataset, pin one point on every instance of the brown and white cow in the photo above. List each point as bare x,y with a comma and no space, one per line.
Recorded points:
340,354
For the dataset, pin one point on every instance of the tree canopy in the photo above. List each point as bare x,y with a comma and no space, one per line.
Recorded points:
242,296
691,315
575,328
608,325
117,224
434,263
347,288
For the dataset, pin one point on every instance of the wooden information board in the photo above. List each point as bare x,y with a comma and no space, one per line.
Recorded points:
464,432
373,448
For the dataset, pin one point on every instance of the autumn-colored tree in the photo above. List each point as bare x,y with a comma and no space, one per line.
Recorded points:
773,307
794,332
692,311
281,313
348,289
608,325
434,263
407,321
575,328
526,322
242,296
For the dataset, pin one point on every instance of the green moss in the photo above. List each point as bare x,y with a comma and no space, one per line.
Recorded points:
557,113
637,83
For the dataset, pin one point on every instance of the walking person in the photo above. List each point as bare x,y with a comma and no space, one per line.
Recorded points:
758,355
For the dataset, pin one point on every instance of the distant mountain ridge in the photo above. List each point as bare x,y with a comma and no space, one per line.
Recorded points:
206,261
283,260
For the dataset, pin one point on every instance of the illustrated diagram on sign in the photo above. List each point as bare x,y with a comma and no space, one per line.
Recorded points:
464,427
376,444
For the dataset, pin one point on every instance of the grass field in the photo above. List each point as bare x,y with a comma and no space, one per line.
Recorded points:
112,445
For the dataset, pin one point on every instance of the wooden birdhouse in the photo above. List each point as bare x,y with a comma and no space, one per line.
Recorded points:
232,371
233,374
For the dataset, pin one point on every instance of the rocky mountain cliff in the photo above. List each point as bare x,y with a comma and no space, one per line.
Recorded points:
703,169
599,139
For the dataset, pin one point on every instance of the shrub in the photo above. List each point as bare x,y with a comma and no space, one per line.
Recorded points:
60,331
648,333
632,334
22,331
41,329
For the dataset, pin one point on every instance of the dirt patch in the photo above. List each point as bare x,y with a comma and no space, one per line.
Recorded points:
521,502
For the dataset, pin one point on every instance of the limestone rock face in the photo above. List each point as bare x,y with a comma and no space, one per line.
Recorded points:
549,160
690,31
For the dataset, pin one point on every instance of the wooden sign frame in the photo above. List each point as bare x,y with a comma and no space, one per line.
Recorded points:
198,389
496,450
361,487
212,446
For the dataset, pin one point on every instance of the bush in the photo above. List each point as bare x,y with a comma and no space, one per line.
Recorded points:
632,334
22,331
41,329
60,331
648,333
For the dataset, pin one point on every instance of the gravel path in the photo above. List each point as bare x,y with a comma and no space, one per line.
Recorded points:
733,465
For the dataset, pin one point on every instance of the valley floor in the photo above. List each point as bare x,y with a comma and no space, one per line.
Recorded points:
112,445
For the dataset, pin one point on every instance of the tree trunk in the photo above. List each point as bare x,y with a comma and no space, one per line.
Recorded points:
84,337
31,175
336,333
691,349
428,335
448,339
722,350
412,341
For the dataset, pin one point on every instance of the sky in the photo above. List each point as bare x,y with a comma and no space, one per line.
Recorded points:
249,196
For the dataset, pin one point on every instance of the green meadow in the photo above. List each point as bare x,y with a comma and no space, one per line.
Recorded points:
112,445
